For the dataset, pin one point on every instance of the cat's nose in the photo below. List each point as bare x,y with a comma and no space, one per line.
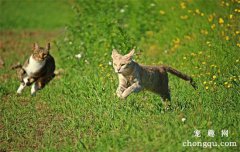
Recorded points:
117,70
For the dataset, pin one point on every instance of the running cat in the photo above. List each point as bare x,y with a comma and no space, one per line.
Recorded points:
38,70
134,77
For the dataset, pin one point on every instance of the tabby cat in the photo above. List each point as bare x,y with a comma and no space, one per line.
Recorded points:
38,69
134,77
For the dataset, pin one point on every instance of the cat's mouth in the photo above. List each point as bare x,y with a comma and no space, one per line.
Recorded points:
118,71
40,59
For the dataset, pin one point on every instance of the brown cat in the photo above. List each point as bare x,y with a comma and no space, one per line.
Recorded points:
134,77
38,70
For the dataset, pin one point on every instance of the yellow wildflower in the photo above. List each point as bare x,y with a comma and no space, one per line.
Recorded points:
238,44
229,86
220,21
204,32
184,17
193,54
214,77
237,32
203,63
225,83
184,58
210,18
206,87
183,5
187,37
213,26
237,60
197,11
176,41
204,82
230,16
227,38
237,10
161,12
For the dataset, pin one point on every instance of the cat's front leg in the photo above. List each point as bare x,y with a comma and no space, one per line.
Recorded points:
122,85
34,89
21,87
120,90
136,87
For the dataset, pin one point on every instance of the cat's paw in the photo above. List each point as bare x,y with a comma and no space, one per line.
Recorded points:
118,94
122,97
19,92
33,94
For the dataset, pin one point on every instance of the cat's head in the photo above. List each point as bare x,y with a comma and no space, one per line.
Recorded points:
40,53
122,63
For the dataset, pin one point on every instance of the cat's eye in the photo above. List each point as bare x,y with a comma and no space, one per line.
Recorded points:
123,64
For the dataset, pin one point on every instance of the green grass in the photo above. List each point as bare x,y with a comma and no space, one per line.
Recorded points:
35,14
79,111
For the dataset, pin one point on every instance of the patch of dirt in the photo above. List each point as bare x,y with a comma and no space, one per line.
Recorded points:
1,63
18,44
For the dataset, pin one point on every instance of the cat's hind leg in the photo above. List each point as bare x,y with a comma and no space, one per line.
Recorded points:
34,89
166,100
41,82
166,96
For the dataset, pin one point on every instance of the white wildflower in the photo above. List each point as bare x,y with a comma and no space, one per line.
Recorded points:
183,119
78,56
152,4
122,10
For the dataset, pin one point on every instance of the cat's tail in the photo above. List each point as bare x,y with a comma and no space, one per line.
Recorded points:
16,66
181,75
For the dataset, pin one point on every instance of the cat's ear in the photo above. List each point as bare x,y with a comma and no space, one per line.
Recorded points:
35,46
48,46
114,53
130,54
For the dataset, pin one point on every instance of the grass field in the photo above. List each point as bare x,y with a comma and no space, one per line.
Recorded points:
79,111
